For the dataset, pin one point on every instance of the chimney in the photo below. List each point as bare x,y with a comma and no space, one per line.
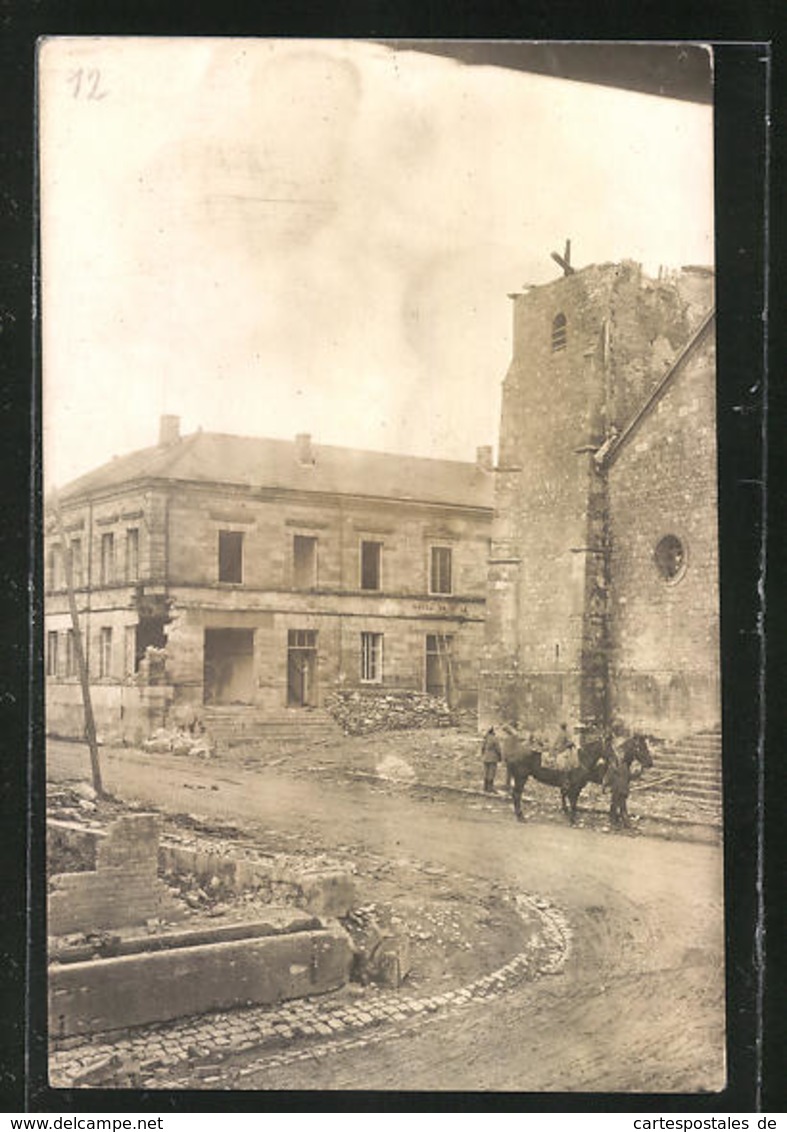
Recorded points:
303,448
483,458
169,430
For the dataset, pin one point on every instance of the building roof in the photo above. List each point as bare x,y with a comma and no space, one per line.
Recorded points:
255,462
609,452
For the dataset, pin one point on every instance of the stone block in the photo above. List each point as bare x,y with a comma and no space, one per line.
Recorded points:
329,893
134,990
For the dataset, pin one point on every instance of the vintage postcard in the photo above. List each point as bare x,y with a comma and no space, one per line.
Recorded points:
382,686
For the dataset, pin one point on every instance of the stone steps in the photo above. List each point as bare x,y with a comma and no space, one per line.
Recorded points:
709,795
246,726
685,765
691,767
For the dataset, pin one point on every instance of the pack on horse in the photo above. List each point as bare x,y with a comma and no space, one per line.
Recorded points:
524,760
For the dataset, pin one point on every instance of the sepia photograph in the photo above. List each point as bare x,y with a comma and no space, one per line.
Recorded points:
382,685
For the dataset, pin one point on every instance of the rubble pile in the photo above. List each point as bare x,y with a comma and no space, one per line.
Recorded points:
382,953
360,713
179,741
211,896
78,802
74,806
70,803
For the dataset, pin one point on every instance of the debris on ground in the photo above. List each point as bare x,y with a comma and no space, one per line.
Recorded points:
361,713
413,922
449,758
180,741
395,769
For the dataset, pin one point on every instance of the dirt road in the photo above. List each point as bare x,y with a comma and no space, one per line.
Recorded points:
639,1005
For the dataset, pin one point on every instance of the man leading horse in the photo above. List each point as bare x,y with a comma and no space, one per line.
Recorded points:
524,756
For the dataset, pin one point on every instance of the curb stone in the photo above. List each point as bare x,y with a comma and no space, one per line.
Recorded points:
255,1029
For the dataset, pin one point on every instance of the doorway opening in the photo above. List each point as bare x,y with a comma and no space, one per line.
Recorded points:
302,668
229,666
439,670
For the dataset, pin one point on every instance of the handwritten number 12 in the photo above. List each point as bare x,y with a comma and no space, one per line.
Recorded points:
87,83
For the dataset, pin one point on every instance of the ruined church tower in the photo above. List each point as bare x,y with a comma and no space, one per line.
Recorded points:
588,349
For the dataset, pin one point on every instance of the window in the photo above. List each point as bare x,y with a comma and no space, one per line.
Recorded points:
71,659
230,556
670,558
440,570
130,644
304,562
371,562
371,657
302,638
51,652
559,333
55,568
76,563
107,559
132,554
105,653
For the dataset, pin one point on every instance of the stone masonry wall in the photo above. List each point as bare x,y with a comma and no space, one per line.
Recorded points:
407,532
666,633
179,531
338,640
536,625
126,509
123,712
268,603
548,614
124,889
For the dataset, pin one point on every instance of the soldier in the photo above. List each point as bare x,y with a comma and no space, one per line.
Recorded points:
564,753
491,756
562,742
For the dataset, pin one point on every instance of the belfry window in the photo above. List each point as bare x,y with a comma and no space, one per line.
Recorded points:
559,333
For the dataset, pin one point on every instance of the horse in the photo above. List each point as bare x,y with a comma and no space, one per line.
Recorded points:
618,778
524,761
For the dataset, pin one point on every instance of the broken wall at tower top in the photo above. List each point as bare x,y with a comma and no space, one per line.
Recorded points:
588,350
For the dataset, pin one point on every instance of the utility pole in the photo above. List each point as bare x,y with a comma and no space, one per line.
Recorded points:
79,653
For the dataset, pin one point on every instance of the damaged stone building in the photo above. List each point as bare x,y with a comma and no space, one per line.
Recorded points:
602,595
215,571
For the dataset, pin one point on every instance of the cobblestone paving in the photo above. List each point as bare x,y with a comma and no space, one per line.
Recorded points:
154,1057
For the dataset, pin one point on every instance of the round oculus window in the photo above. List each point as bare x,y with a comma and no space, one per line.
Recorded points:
670,557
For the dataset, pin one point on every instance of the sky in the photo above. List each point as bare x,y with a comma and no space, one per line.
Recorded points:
269,237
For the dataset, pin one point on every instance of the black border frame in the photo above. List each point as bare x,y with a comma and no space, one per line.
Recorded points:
742,164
